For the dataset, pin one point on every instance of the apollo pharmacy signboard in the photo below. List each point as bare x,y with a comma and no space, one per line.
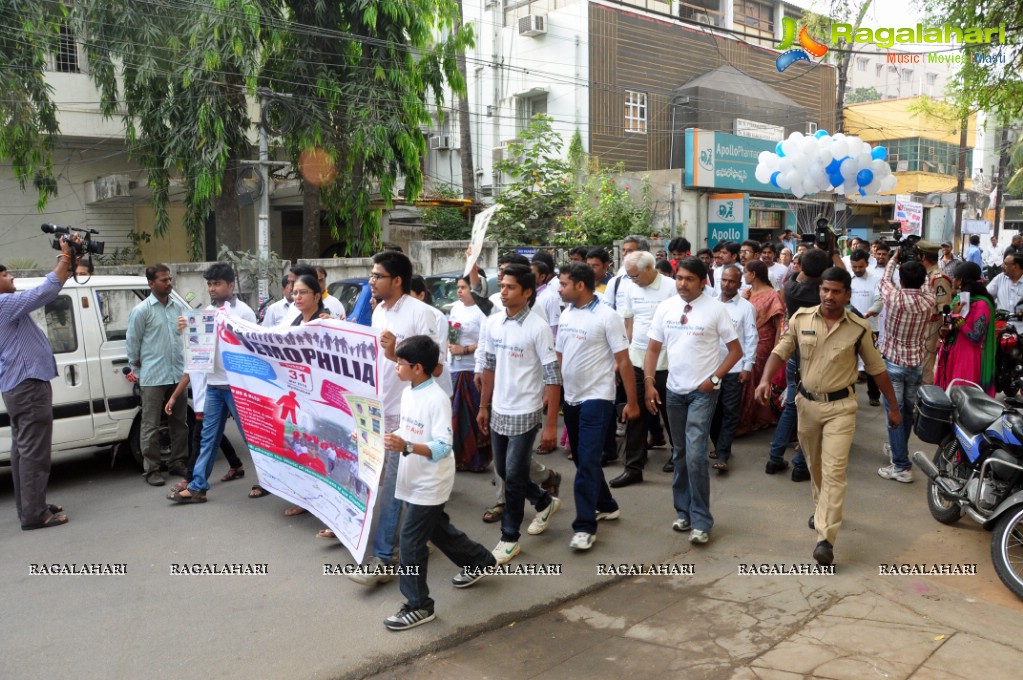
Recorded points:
718,160
727,218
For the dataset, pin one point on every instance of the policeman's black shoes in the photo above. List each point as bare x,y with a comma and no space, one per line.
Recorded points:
824,553
773,467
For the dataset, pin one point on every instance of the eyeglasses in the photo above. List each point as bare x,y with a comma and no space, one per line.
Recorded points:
685,314
634,277
404,363
376,277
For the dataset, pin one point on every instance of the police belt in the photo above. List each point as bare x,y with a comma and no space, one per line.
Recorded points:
830,396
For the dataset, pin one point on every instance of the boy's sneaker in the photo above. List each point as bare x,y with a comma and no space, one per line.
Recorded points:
505,551
408,618
697,536
543,518
464,579
892,472
373,573
681,525
614,514
582,541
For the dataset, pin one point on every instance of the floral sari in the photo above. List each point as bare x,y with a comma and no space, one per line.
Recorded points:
770,318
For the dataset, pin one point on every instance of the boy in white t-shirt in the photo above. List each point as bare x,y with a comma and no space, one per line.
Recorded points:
426,475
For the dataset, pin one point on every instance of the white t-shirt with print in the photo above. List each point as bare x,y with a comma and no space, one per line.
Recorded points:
694,350
425,417
236,309
407,317
588,339
521,351
639,304
470,320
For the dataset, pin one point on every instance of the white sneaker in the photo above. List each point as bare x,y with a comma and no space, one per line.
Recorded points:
543,519
620,430
614,514
697,536
886,451
374,573
892,472
582,541
681,525
505,551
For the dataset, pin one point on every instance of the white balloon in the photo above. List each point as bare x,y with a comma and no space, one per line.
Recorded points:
763,157
784,164
851,187
873,187
810,185
796,136
825,141
763,174
848,169
878,167
783,181
808,146
840,149
825,156
888,183
798,192
863,161
855,146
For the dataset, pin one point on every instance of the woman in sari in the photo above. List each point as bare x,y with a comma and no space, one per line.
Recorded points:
967,349
770,318
471,448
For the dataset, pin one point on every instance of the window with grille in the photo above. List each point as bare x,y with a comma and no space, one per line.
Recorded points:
635,111
67,52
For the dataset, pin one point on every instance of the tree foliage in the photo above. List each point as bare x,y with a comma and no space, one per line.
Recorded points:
182,75
541,188
863,94
997,87
604,210
446,223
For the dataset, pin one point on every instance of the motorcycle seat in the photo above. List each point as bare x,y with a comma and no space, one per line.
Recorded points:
975,410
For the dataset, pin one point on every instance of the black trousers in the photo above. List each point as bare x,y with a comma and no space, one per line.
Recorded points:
636,430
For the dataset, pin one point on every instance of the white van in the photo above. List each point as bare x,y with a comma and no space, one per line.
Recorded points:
94,399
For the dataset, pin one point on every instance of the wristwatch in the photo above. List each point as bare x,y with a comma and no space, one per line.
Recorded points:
715,381
409,446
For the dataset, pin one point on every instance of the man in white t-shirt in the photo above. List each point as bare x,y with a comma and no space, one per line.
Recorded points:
398,315
332,304
616,287
866,285
691,328
219,401
647,288
726,415
283,308
775,270
548,302
520,375
591,342
728,252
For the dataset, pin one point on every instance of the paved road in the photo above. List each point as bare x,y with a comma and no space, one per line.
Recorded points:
297,623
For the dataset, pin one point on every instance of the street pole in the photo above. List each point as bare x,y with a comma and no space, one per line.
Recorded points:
1003,161
961,182
263,220
671,213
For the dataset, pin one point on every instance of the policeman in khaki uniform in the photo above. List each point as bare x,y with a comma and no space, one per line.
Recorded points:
942,288
830,339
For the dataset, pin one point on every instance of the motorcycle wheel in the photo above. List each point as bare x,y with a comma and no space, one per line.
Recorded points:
1007,550
1010,391
944,509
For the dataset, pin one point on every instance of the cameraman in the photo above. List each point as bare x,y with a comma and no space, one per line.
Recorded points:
26,367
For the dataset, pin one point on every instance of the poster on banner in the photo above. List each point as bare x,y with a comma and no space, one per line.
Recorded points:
200,340
910,214
479,234
308,401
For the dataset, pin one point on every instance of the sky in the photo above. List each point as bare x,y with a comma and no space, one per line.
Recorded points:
881,12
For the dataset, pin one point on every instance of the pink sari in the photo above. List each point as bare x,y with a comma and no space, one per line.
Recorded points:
770,312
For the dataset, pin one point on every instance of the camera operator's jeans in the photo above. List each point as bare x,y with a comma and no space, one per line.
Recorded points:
788,419
906,383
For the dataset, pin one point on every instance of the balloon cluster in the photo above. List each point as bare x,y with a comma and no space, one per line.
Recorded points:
843,164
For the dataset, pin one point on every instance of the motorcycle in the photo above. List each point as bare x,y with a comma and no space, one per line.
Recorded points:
977,469
1009,354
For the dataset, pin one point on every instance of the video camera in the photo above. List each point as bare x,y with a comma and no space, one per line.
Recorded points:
908,251
85,244
822,236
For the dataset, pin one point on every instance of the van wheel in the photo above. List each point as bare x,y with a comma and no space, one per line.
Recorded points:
135,437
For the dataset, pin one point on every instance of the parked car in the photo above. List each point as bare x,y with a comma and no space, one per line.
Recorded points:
354,294
95,401
444,288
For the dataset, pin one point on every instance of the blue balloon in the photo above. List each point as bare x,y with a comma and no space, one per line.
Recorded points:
879,153
834,166
862,192
778,150
836,179
774,178
864,177
820,133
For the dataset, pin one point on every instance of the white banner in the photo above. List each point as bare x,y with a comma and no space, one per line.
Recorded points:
479,234
308,402
910,214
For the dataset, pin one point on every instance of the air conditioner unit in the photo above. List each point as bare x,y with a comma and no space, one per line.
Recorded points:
811,127
702,18
533,25
440,142
108,188
497,155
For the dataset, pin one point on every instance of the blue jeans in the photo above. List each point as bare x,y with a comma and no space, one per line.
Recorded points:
430,523
787,421
691,414
219,403
726,416
511,460
906,382
389,523
587,423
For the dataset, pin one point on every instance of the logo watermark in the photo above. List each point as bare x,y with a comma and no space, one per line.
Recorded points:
808,46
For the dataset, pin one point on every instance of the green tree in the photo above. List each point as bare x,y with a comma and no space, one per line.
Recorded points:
541,189
863,94
605,210
446,223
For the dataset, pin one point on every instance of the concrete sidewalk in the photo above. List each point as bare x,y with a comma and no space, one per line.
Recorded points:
719,624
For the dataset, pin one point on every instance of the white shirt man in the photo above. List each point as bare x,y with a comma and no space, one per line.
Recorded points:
1007,287
865,286
640,300
993,254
